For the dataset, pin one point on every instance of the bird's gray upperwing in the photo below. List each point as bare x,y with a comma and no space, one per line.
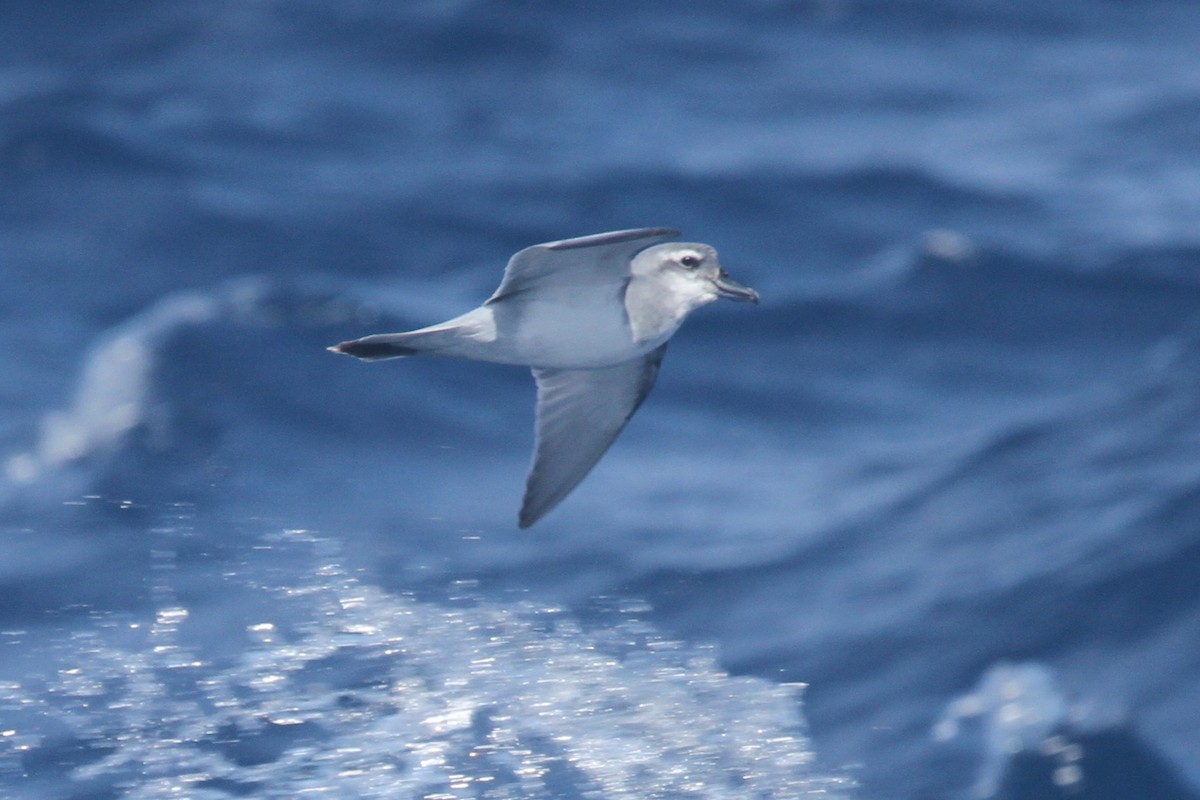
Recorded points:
600,258
579,414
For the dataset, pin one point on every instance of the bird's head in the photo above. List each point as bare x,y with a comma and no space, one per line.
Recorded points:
691,272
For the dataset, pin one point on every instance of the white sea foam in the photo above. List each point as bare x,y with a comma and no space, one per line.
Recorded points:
344,690
1021,708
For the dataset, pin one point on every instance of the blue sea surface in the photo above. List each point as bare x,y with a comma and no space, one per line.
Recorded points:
923,525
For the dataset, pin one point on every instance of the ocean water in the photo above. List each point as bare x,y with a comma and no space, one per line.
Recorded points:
925,524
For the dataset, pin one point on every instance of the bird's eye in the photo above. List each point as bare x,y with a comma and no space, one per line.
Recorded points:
691,262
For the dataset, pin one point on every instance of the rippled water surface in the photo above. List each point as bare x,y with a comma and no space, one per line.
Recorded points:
945,475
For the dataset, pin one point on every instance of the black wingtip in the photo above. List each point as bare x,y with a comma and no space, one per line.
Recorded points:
528,517
531,515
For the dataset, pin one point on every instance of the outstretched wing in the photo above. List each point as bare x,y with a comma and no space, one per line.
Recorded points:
601,258
579,414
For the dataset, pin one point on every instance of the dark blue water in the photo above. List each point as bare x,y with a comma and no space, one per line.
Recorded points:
947,474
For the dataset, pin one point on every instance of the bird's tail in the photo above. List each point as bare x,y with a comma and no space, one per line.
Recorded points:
397,345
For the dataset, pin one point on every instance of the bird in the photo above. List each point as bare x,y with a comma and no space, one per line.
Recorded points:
591,316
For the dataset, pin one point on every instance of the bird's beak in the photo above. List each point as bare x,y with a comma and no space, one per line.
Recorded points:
729,288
